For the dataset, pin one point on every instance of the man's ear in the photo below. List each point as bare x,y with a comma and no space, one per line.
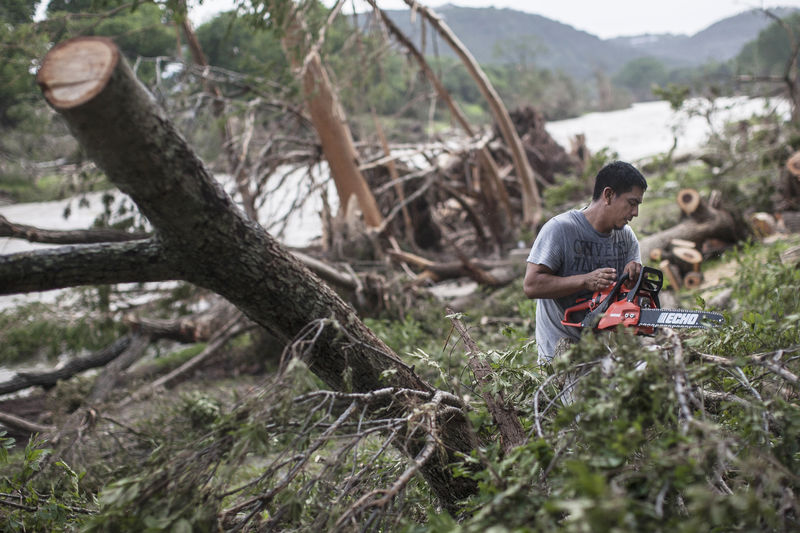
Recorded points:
608,195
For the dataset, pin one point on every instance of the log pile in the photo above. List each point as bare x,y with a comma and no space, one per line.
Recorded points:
705,231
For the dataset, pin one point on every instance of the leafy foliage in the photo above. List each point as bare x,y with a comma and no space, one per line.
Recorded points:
33,501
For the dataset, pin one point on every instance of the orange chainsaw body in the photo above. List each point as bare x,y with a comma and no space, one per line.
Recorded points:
616,305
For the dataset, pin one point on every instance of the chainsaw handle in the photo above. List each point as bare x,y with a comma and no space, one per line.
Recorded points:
652,278
594,317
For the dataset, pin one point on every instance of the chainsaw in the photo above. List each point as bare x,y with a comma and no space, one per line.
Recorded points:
637,307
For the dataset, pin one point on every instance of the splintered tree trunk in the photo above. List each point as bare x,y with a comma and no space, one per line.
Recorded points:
531,202
495,191
330,123
208,241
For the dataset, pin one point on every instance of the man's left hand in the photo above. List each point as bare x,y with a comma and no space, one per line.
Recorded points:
632,269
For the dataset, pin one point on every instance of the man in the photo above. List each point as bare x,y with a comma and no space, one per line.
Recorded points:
582,251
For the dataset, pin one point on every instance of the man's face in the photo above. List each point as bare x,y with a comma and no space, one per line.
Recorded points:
623,207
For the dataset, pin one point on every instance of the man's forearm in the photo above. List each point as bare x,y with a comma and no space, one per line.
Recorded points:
541,285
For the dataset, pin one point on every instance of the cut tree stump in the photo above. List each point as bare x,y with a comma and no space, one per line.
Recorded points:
692,280
793,164
688,200
763,224
682,243
687,259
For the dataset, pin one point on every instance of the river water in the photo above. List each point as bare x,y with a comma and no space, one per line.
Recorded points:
640,131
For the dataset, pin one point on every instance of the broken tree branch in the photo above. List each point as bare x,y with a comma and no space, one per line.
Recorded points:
83,264
504,416
24,380
48,236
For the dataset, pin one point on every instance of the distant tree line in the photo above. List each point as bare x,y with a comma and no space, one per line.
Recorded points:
376,79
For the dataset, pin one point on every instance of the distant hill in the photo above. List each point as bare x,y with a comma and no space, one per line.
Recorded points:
506,35
719,42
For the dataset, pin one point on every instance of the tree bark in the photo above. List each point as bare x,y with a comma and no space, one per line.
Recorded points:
208,241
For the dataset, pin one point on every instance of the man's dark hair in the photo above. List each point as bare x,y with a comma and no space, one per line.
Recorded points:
620,176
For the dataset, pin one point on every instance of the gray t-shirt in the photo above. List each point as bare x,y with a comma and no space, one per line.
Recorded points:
569,245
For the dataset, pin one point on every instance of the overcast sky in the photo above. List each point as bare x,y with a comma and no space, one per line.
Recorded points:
603,18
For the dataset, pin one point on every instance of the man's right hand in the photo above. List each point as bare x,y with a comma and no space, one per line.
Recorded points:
599,279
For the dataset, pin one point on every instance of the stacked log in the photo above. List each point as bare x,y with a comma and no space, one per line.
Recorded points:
680,263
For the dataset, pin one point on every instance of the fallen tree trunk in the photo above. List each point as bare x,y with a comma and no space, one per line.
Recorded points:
74,265
485,272
208,241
